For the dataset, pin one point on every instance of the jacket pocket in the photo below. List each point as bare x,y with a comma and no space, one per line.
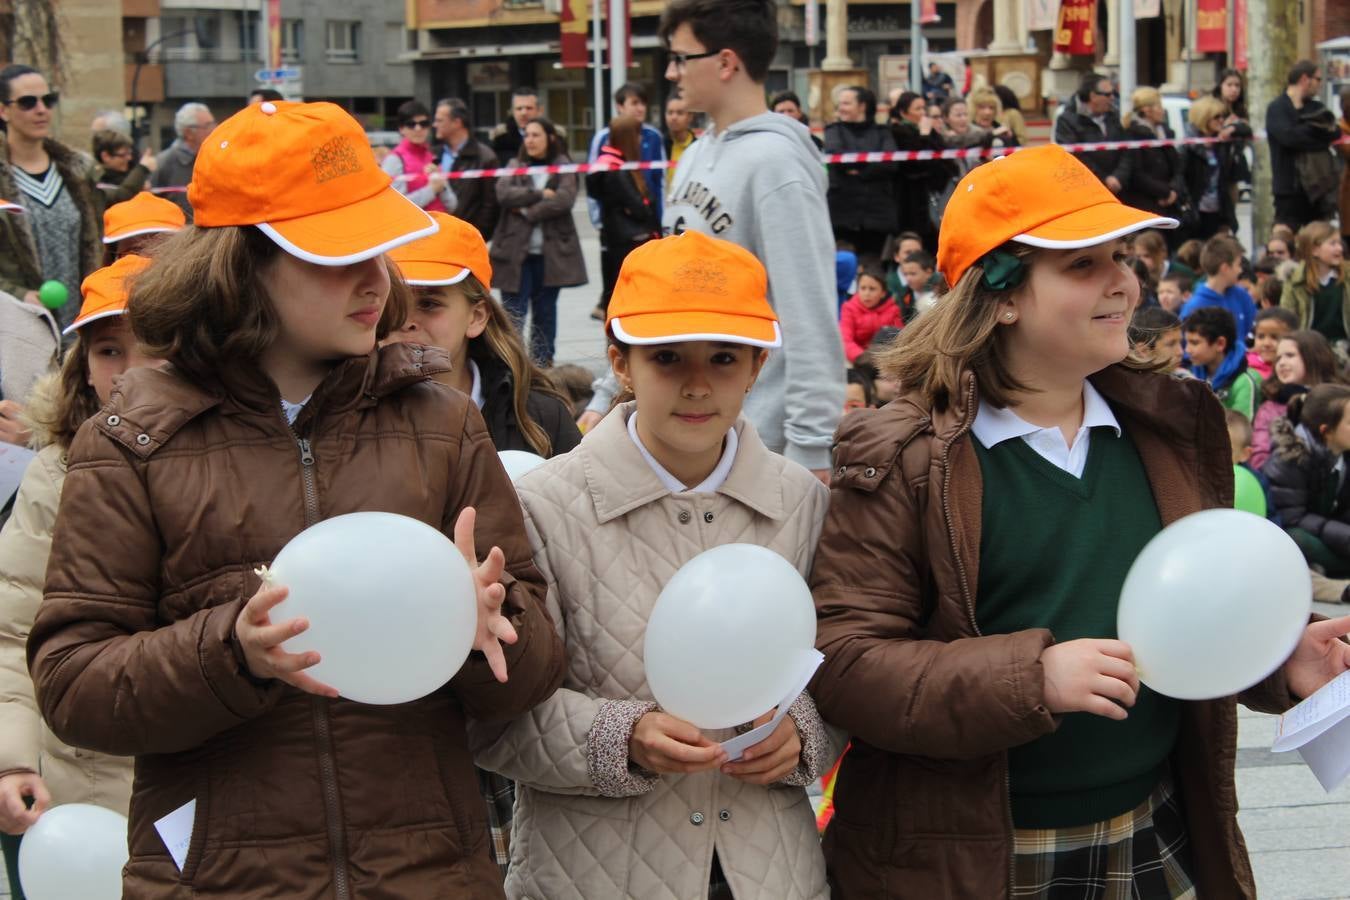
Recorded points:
197,843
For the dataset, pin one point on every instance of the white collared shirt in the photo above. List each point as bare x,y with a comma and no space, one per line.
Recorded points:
476,392
994,426
292,410
709,485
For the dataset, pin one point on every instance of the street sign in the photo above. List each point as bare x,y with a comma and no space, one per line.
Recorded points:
274,76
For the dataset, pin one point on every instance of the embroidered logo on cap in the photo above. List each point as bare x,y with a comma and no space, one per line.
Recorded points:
1071,177
700,277
334,159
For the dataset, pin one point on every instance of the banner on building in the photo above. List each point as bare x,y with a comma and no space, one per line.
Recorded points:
1075,32
576,23
1042,15
812,23
1240,37
928,14
274,34
1211,29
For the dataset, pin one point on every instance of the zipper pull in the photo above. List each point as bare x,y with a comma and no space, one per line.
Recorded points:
306,455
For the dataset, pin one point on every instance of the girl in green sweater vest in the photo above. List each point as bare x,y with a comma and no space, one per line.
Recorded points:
1002,743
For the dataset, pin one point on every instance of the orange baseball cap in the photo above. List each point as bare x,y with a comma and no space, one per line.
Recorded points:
143,214
449,256
691,287
1043,196
6,206
105,291
305,175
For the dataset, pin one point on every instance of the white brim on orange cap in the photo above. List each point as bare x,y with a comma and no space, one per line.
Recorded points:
6,206
155,229
425,279
355,232
677,328
80,323
1093,225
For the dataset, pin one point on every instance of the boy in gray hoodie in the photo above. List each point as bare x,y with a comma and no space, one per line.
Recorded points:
755,178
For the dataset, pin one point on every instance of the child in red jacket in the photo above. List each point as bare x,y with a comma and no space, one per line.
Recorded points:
866,312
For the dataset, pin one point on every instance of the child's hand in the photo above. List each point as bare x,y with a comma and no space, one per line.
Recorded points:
666,745
1090,675
493,627
261,642
15,816
1320,656
773,758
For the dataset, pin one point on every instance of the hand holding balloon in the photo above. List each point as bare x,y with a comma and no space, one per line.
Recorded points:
1320,656
15,790
666,745
1090,675
493,627
773,758
261,642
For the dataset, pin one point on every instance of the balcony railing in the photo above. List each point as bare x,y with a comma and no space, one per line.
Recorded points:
209,54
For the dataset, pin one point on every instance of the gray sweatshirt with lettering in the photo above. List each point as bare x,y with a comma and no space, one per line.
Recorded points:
761,184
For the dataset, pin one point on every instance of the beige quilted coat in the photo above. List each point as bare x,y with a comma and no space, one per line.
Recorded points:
26,743
607,535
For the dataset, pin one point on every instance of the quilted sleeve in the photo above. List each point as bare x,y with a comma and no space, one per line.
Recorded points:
550,748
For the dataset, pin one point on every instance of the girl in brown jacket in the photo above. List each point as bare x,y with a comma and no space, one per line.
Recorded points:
155,638
1002,743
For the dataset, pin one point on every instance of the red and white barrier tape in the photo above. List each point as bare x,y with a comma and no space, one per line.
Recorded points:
828,158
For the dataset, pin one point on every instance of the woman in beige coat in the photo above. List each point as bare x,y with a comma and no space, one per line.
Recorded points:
615,797
35,767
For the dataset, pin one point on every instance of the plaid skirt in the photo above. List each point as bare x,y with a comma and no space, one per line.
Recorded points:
1143,854
499,792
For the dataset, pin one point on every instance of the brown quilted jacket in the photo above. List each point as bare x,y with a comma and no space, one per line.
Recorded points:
921,800
174,495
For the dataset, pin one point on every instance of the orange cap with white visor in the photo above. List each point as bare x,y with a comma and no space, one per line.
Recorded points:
453,253
105,291
304,174
691,287
143,214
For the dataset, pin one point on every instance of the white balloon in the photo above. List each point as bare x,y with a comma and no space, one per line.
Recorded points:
74,850
390,601
724,638
518,462
1213,604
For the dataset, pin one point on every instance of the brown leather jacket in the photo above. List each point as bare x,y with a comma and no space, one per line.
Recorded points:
921,800
175,494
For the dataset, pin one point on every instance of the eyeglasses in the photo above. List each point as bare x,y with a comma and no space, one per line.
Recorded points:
683,59
30,101
418,123
1105,93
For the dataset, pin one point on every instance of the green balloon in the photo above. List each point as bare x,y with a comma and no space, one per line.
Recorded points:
1247,493
53,294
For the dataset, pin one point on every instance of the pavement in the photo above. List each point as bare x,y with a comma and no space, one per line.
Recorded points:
1298,834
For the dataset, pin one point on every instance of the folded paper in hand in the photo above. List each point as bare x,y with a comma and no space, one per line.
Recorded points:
1319,729
736,747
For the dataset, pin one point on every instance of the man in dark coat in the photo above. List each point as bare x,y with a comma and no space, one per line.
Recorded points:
477,197
1090,117
1292,132
861,195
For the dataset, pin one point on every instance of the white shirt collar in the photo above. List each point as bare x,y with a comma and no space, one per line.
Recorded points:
993,426
476,392
709,485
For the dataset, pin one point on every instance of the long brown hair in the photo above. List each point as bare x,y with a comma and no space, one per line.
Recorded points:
1323,407
962,333
74,399
501,340
1310,237
202,305
625,135
1319,362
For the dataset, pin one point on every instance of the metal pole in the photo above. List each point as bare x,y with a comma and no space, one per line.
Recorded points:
916,46
598,62
618,43
1128,57
1230,33
1190,41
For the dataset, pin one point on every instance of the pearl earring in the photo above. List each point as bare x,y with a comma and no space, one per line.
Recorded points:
1008,316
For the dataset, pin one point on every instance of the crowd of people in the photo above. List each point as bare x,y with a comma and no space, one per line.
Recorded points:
957,396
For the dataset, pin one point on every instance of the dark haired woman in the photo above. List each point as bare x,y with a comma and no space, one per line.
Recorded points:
535,249
627,211
412,164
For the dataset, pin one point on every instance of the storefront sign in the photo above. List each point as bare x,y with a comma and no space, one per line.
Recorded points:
1075,33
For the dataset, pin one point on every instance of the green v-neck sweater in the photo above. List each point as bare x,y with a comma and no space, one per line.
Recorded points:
1054,551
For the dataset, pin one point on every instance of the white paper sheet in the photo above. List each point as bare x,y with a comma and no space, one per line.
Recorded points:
13,461
1319,729
736,747
175,830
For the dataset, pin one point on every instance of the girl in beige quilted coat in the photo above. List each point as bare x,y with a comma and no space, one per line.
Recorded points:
616,798
36,767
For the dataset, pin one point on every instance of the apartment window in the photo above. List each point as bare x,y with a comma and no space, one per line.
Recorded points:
292,40
344,41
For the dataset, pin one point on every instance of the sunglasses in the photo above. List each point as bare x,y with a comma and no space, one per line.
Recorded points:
418,123
30,101
1106,93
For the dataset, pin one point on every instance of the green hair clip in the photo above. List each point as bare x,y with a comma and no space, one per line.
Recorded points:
1003,271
